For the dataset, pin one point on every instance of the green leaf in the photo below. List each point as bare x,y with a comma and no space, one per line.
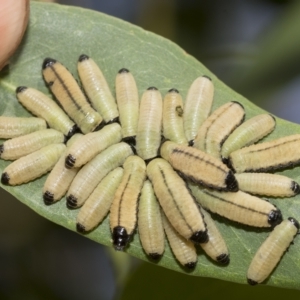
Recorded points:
64,33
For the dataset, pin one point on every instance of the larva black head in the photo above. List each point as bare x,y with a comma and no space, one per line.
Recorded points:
231,183
273,117
1,149
83,57
152,88
129,140
20,89
72,131
205,76
80,228
295,187
191,265
48,62
123,70
155,256
200,237
173,91
48,198
71,201
70,161
191,143
241,105
5,178
294,222
275,217
120,238
252,282
223,259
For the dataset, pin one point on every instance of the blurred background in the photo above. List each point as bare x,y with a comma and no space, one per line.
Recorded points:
251,45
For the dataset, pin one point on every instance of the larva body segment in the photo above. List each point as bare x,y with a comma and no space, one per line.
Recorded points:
197,106
148,136
272,249
46,108
60,178
32,166
97,89
68,93
26,144
248,133
11,127
94,171
239,207
217,127
176,201
216,247
183,249
273,185
173,117
199,166
268,156
97,206
91,144
123,211
150,227
128,103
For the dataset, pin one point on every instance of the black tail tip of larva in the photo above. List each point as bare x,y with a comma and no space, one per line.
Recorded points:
20,89
191,265
48,62
155,256
152,88
275,217
200,237
205,76
294,222
295,187
74,129
70,161
48,198
252,282
130,140
191,143
71,202
80,228
173,90
231,182
123,70
83,57
5,178
223,259
120,238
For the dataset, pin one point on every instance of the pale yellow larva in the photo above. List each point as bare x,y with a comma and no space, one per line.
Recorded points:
173,118
272,249
148,136
248,133
32,166
268,156
26,144
197,106
68,93
183,249
199,166
150,227
176,201
97,89
216,247
239,207
98,203
11,127
94,171
273,185
44,107
217,127
123,210
60,178
91,144
128,103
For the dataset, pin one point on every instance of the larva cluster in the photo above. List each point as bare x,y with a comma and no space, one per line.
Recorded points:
157,164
